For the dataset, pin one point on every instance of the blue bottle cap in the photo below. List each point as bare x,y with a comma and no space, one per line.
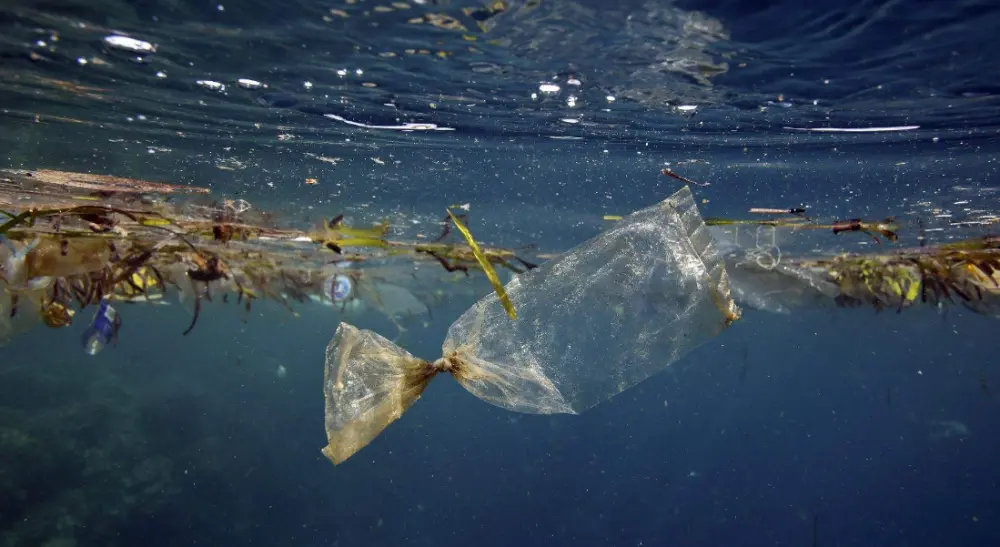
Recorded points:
339,287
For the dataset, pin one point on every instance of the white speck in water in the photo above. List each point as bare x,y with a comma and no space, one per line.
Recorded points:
307,85
687,107
129,44
211,84
610,98
161,74
574,81
549,88
247,83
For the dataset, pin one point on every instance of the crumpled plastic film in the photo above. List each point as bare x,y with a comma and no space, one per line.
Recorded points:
780,288
592,322
761,274
368,382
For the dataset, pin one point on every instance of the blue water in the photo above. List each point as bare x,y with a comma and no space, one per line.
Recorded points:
821,428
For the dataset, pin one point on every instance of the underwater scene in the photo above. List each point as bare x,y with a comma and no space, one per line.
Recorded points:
499,272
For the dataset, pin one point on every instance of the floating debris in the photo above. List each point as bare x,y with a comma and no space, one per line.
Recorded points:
212,85
324,159
855,129
247,83
70,241
670,173
403,127
126,43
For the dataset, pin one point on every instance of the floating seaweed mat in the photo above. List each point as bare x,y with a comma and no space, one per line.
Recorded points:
591,323
96,183
897,281
64,247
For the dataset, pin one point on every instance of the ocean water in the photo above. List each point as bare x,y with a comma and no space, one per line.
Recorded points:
824,427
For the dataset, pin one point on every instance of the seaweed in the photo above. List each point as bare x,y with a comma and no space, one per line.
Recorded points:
484,263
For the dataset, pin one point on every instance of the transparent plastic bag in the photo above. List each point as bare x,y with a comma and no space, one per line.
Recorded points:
761,274
593,322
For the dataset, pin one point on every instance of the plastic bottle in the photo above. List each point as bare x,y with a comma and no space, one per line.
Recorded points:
101,329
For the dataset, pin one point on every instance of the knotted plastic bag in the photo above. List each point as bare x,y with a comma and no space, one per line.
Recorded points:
592,322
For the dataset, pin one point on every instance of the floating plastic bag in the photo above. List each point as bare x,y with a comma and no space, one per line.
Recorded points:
762,275
591,323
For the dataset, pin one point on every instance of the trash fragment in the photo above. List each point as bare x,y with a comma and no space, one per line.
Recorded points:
247,83
102,330
670,173
338,287
212,85
126,43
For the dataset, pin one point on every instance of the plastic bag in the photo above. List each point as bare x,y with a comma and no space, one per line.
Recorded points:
592,322
780,288
761,274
